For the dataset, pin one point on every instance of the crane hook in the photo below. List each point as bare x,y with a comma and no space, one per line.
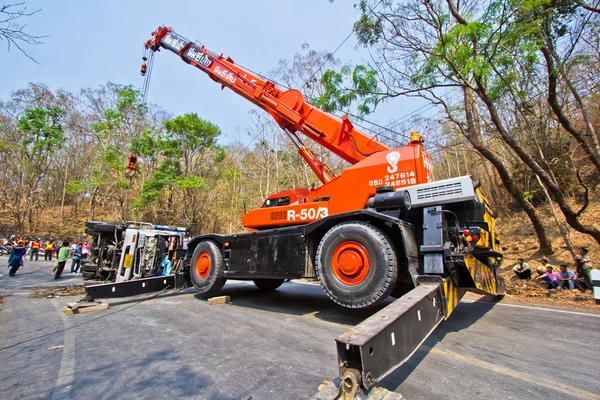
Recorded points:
144,67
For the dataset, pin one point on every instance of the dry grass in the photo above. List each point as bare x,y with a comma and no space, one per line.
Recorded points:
519,240
531,292
49,293
72,227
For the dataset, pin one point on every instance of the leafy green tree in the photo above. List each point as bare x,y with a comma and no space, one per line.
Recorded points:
41,135
114,132
186,151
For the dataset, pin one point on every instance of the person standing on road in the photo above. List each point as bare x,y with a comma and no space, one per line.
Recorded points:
522,269
35,249
76,256
55,265
11,250
49,250
63,254
584,267
17,257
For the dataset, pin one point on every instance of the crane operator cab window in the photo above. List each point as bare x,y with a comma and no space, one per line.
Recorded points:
279,201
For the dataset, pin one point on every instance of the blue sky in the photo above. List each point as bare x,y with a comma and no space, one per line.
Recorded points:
94,42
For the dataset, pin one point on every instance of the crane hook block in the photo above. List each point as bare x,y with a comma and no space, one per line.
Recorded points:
132,160
144,68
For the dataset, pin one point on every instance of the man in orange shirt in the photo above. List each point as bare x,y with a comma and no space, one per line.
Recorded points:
35,249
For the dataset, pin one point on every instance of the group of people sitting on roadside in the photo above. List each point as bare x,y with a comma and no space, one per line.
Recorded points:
561,278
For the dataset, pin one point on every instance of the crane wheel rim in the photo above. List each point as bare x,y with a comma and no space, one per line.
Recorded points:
203,265
350,263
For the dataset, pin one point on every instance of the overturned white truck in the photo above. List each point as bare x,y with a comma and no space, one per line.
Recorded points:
133,250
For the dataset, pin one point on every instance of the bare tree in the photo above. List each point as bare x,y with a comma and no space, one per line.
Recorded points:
422,47
13,31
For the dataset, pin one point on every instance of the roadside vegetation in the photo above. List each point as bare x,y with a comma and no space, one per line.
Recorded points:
512,92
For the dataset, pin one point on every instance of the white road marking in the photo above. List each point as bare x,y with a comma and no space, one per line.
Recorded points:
554,310
522,376
64,381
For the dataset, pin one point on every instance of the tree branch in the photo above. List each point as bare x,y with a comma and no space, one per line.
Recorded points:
588,7
13,32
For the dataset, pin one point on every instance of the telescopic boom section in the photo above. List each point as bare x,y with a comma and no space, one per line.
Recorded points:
288,107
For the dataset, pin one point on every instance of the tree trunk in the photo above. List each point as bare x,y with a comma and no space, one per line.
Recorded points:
558,224
591,149
64,190
92,206
472,136
555,190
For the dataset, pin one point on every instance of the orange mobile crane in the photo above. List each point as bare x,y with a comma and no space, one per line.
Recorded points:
383,227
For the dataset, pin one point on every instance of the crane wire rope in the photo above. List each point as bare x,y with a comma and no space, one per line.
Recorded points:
147,73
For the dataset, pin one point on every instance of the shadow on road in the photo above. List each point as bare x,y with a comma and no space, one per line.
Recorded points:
181,381
296,299
309,300
465,315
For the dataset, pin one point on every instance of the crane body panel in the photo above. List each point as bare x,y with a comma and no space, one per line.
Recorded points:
350,191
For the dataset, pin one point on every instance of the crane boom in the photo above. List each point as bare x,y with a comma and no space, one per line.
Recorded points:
373,164
287,107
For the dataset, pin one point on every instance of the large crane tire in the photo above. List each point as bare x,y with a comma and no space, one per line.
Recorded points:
268,285
206,268
356,264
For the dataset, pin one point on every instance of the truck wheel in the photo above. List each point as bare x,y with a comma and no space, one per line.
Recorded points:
206,268
89,267
106,228
88,275
268,285
356,264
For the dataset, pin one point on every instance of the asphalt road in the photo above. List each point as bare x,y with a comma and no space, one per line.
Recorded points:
275,346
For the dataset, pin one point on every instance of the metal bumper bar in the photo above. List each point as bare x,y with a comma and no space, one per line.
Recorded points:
134,287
